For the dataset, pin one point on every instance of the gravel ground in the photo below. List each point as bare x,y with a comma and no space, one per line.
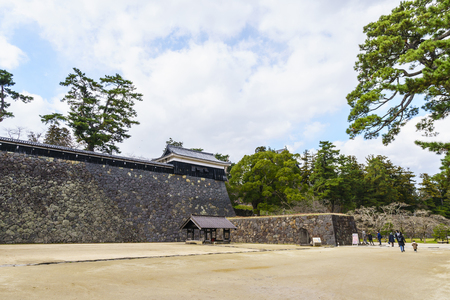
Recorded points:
236,271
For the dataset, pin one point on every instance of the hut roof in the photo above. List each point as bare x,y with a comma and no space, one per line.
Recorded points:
207,222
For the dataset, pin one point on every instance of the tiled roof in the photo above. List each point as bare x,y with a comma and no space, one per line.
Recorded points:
209,222
191,153
78,151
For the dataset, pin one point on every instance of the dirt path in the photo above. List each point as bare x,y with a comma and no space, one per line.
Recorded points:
177,271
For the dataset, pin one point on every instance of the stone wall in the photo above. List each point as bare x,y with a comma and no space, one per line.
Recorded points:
344,227
45,200
289,229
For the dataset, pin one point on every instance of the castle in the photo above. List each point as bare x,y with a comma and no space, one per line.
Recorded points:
53,194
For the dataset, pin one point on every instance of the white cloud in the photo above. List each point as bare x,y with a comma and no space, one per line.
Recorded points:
10,55
191,95
98,32
295,147
313,129
225,76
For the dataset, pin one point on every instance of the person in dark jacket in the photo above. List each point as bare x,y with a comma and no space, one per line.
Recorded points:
401,242
379,237
369,236
391,239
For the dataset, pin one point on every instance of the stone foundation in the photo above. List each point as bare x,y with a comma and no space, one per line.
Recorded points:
46,200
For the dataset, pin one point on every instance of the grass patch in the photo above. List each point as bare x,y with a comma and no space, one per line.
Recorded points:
245,207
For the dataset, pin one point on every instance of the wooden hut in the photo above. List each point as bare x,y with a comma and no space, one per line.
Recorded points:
206,228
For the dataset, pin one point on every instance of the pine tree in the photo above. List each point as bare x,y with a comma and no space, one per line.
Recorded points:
6,82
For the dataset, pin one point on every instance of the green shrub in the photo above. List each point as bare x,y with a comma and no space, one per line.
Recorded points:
240,206
441,232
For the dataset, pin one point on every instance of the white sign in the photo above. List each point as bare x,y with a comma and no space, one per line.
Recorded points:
317,241
355,239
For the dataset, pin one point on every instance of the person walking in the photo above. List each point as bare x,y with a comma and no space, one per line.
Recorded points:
364,236
401,242
369,236
379,236
391,239
414,245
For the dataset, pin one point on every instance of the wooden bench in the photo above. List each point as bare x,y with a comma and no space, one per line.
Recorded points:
442,242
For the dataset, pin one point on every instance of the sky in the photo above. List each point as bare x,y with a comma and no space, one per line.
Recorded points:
225,76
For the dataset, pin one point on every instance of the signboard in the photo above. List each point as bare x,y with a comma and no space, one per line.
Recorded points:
317,241
355,239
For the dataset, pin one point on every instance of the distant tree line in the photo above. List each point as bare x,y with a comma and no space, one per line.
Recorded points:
283,182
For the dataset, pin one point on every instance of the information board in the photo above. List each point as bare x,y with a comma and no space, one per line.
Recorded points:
355,239
317,241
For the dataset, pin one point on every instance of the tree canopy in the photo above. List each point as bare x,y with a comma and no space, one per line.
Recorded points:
403,69
329,181
343,184
386,183
435,190
100,113
222,157
173,143
323,180
6,81
59,136
326,182
404,58
267,180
